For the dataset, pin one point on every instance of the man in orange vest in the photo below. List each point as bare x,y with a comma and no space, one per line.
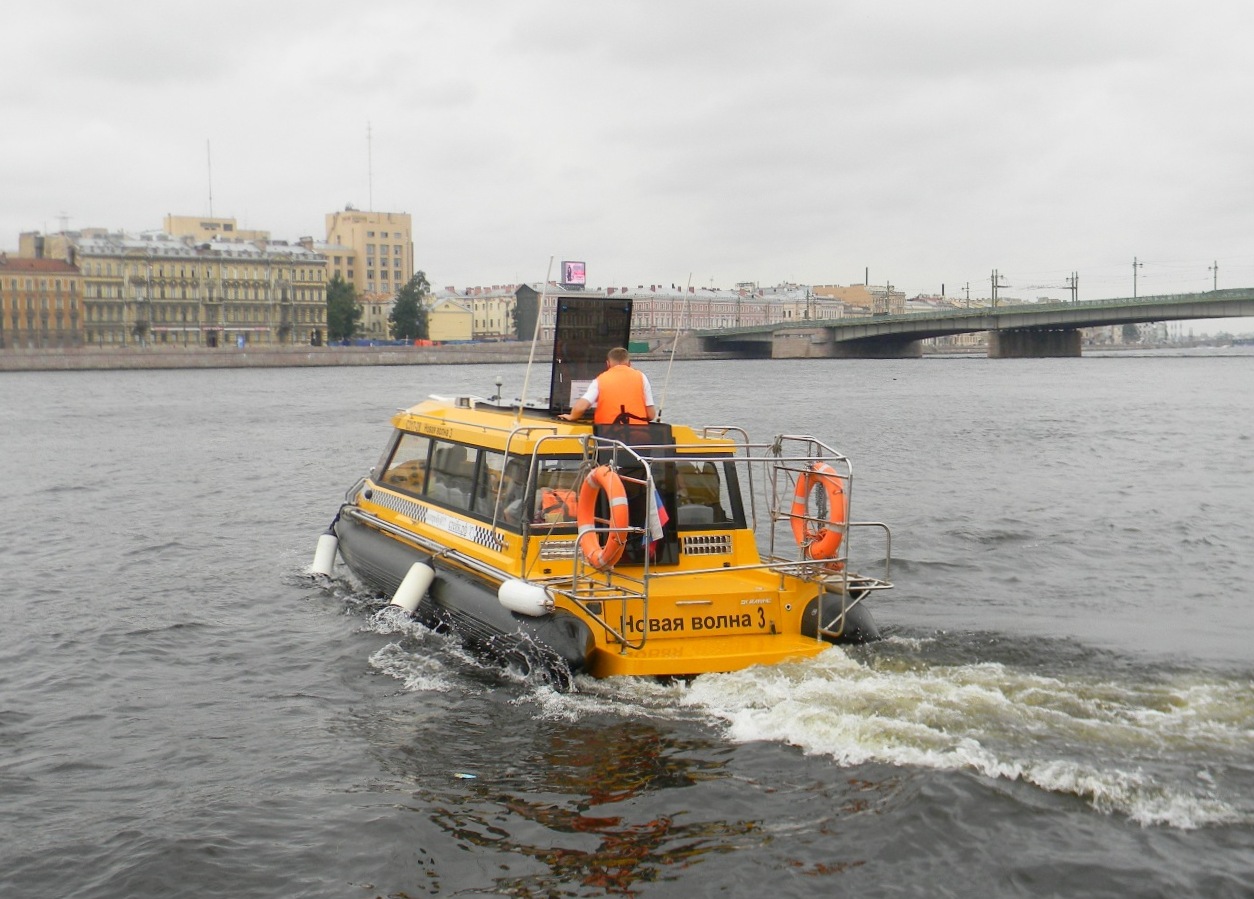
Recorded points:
620,393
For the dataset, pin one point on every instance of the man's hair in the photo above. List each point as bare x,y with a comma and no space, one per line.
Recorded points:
618,356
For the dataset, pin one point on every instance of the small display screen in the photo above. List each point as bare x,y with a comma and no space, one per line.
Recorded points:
574,274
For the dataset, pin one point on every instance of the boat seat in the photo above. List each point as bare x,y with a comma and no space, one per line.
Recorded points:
451,476
698,483
408,474
691,514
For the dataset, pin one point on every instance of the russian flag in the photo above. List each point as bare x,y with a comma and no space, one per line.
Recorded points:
658,517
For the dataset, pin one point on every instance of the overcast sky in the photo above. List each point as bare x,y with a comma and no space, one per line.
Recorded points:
927,142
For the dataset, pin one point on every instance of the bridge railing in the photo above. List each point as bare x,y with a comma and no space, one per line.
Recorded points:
1236,293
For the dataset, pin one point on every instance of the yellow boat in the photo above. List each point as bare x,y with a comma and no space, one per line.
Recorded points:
565,547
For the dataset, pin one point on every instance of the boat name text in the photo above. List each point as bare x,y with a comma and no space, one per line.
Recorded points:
452,525
697,623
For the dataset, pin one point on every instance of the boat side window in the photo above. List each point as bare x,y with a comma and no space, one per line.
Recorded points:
557,492
704,499
406,468
452,474
499,488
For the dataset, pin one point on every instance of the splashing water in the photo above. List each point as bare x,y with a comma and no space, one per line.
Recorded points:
1157,750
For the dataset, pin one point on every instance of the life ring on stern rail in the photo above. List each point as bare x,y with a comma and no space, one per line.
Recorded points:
819,539
601,557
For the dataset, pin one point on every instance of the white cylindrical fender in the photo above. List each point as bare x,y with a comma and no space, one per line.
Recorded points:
414,586
324,555
524,597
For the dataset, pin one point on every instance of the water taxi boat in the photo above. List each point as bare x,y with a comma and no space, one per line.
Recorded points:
565,547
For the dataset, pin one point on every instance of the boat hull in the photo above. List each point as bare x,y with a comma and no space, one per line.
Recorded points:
550,647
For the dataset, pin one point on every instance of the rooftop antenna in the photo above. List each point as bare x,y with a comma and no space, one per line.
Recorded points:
535,338
369,168
209,164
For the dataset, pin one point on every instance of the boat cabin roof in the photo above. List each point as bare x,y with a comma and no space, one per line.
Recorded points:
519,430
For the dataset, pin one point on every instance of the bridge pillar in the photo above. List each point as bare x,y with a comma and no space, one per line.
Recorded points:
1034,343
802,343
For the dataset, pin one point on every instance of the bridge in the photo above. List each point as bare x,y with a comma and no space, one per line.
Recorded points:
1033,330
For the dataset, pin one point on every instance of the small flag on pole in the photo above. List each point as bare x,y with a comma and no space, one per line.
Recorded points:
658,517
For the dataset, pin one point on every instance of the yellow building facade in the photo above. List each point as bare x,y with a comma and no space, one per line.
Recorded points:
40,303
155,289
448,319
492,309
872,299
377,255
376,315
202,228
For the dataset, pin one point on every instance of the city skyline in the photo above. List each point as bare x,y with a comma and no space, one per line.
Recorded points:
910,144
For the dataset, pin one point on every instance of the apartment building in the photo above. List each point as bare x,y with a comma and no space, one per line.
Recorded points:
40,303
201,228
376,315
491,308
448,319
157,289
870,298
373,251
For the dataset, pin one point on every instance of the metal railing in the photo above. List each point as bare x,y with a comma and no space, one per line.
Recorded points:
780,463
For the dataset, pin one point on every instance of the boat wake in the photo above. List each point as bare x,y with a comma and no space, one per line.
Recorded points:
1161,747
1161,750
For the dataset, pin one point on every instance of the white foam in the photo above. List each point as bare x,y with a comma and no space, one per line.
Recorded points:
1061,735
627,697
419,673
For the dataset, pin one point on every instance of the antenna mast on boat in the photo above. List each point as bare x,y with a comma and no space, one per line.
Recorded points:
535,338
683,312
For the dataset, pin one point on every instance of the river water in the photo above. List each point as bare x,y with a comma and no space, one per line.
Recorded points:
1062,706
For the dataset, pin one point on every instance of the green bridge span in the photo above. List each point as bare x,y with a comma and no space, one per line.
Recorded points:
1039,329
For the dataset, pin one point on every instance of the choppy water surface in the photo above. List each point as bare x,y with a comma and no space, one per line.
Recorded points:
1063,705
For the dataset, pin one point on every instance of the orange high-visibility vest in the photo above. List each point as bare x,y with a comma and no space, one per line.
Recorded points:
620,387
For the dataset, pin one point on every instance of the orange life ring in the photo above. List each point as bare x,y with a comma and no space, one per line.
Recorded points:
601,557
819,540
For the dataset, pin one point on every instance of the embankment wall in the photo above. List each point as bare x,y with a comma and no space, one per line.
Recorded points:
94,359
